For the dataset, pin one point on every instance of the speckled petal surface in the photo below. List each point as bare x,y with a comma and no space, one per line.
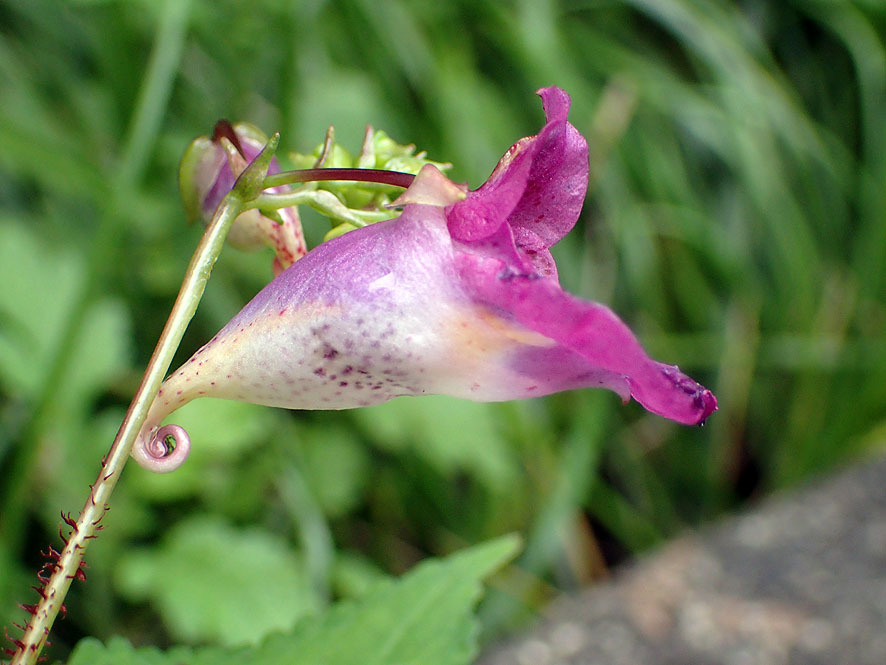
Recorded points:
372,315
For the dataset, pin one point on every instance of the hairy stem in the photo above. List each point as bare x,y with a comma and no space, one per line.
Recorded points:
67,564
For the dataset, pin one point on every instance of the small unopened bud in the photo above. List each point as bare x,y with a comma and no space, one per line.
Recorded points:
208,171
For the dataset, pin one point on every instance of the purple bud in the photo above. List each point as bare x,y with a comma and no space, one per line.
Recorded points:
208,170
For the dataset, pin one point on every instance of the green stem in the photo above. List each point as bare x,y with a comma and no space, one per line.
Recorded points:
326,203
88,523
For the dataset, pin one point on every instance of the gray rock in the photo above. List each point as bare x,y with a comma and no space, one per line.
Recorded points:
799,580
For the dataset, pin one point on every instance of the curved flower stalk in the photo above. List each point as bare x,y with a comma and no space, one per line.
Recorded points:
208,170
458,296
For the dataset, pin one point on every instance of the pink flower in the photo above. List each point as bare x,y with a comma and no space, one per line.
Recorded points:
458,296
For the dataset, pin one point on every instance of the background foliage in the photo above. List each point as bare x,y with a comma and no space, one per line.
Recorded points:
736,220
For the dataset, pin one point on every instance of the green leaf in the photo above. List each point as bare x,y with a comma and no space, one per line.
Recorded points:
425,618
212,582
14,579
118,651
39,283
336,466
354,575
452,435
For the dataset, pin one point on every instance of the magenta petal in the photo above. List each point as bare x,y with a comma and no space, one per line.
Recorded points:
613,358
485,210
538,187
558,179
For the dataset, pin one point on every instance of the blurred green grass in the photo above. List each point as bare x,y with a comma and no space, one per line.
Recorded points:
737,220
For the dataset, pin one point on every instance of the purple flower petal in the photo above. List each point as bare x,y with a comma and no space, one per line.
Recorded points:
597,339
537,188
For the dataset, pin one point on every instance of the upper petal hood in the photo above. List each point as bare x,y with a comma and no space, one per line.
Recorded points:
537,189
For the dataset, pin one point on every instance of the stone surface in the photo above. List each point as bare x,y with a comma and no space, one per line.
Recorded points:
799,580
